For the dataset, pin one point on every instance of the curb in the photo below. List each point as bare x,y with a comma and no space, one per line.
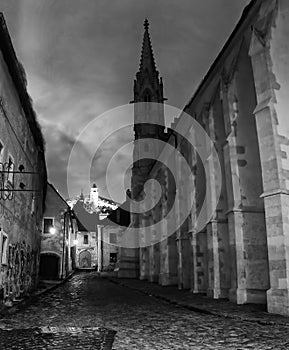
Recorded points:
48,289
10,310
198,309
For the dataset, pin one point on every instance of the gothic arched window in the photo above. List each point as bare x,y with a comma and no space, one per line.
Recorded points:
147,96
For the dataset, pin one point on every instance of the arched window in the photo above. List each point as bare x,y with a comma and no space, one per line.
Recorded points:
147,96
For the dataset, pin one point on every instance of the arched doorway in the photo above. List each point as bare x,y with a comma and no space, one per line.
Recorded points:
85,259
49,266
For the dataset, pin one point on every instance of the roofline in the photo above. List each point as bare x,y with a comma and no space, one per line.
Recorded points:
59,195
253,7
19,80
109,200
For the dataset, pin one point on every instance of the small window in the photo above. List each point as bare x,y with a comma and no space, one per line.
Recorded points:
85,239
47,224
113,258
112,238
10,168
32,205
4,250
147,97
1,151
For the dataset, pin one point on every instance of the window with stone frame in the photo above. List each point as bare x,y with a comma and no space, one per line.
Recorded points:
4,244
112,238
85,239
1,151
147,97
47,224
10,168
113,258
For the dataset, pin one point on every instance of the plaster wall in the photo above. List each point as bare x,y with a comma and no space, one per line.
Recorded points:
20,217
55,208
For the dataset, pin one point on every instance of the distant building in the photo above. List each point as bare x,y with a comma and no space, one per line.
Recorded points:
94,203
94,197
113,255
89,211
22,178
58,226
85,239
108,250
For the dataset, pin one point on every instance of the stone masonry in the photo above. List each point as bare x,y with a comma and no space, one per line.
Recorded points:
242,104
23,178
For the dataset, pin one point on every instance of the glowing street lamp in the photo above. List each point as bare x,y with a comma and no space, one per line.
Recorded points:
52,230
75,242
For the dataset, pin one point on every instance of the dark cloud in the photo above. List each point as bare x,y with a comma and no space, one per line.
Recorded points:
60,144
81,58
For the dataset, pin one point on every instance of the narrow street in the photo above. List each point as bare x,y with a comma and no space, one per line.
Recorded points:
87,308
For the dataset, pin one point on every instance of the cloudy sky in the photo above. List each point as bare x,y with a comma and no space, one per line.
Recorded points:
81,57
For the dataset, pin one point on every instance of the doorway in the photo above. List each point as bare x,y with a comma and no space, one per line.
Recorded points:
49,266
85,259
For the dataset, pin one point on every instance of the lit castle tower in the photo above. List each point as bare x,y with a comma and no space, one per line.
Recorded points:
93,196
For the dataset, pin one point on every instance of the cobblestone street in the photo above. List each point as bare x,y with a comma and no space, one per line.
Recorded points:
84,312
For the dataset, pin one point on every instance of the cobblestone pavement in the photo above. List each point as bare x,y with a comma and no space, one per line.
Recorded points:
141,322
202,303
56,338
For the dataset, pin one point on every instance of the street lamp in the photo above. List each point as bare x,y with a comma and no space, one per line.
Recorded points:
66,223
52,230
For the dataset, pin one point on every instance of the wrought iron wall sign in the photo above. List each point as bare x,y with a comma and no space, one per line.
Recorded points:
7,181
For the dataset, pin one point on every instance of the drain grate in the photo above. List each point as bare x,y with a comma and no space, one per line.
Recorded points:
95,338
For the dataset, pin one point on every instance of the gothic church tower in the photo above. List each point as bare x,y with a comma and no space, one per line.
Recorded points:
149,120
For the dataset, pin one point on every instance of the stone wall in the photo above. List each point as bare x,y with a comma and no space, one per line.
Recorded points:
242,104
87,251
57,243
21,214
110,240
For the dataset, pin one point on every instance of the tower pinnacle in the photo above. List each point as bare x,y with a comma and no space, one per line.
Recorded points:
146,24
149,120
81,197
147,62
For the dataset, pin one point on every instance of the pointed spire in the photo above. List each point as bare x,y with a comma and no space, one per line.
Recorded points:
147,57
81,197
146,24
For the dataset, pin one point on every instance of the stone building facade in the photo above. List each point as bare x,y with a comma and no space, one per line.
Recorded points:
108,250
22,178
92,251
86,249
58,229
85,239
242,103
112,254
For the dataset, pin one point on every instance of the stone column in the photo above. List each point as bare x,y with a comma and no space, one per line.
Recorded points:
154,261
168,247
270,60
183,235
248,247
199,253
154,248
99,248
199,277
217,230
144,248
